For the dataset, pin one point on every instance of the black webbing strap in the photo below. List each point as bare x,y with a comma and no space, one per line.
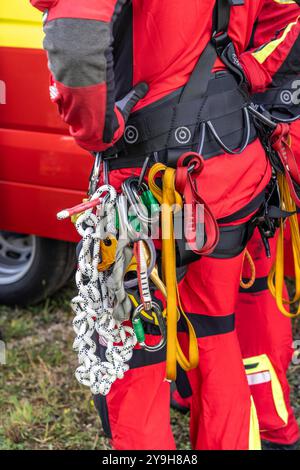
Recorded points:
196,88
221,16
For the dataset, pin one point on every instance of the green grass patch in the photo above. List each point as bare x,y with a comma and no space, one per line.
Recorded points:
41,404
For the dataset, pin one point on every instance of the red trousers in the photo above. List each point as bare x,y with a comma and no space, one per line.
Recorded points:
136,412
265,337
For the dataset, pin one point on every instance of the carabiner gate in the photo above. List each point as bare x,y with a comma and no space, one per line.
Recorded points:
139,329
95,174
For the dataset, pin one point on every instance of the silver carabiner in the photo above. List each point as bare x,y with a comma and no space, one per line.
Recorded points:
136,318
95,174
130,188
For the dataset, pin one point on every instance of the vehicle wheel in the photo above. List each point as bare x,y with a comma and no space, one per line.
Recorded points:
32,268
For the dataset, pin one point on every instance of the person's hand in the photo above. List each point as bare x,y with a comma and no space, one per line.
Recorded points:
126,104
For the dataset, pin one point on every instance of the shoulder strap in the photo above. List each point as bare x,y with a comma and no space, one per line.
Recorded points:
196,88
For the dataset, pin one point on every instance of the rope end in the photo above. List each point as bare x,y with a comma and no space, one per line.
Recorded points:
63,215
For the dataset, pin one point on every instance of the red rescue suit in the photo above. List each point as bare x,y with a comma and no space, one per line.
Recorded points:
264,333
98,50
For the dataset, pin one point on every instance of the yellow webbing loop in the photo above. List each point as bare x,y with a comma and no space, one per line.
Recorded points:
276,276
169,199
249,284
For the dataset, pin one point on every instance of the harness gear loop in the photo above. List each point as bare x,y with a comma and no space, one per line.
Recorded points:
246,138
171,202
249,284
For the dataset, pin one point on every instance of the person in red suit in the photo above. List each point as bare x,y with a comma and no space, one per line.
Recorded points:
144,78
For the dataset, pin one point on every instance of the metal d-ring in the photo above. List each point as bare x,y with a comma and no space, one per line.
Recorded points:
161,324
246,136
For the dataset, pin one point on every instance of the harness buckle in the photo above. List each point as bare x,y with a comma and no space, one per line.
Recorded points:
220,41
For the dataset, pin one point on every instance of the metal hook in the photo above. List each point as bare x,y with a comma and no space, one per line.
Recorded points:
143,171
95,174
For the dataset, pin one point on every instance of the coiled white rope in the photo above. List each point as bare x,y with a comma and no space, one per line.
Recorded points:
94,304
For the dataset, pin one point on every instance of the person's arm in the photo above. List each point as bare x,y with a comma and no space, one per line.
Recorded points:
78,41
276,54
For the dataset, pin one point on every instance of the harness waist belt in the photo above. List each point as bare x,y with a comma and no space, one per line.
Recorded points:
171,127
281,102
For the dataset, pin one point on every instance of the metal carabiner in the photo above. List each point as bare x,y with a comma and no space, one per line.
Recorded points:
95,174
139,329
126,228
130,188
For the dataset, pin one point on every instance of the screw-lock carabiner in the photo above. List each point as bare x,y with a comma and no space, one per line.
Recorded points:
131,189
139,329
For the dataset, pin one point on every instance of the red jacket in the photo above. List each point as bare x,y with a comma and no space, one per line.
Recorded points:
99,49
271,26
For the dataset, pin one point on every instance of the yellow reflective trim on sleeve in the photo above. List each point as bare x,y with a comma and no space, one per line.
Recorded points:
263,53
254,435
20,25
264,364
285,2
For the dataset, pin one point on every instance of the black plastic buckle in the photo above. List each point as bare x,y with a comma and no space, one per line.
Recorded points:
236,3
220,41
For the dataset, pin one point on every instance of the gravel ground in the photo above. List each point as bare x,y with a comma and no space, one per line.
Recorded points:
41,404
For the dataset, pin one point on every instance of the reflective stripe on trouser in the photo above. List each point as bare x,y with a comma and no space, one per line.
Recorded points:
266,342
222,412
136,412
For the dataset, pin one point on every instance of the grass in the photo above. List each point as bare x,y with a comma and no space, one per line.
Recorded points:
41,404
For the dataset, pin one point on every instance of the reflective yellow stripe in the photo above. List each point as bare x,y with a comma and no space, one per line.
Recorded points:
265,52
254,435
20,25
285,2
264,364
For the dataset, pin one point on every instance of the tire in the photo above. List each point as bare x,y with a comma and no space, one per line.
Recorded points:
33,268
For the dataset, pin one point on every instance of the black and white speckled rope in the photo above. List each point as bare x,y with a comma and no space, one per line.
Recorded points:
94,304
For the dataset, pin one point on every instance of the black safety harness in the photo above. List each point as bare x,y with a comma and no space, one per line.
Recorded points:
209,115
205,115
